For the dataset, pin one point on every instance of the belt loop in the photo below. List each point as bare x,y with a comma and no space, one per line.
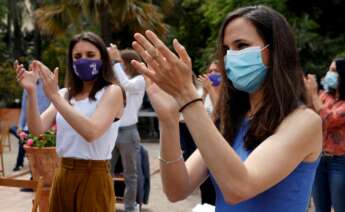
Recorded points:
89,164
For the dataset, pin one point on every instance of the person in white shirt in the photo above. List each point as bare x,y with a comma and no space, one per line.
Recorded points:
85,114
127,143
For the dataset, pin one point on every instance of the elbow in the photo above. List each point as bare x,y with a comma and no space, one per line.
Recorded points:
174,196
233,199
236,196
91,135
35,131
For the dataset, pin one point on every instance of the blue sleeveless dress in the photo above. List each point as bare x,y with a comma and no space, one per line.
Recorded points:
290,195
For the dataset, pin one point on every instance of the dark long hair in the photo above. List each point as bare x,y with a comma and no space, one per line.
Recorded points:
283,89
106,76
340,67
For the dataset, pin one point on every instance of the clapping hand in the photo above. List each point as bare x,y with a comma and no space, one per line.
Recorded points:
26,78
50,80
171,72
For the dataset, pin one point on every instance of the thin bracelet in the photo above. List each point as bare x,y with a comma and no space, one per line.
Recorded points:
167,162
188,103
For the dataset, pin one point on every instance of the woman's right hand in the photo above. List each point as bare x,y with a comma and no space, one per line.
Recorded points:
206,83
26,79
164,105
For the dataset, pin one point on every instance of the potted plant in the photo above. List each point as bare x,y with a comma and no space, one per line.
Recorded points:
41,153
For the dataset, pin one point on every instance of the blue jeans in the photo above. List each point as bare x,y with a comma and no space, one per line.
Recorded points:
329,185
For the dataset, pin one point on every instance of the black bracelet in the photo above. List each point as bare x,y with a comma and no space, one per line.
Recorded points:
188,103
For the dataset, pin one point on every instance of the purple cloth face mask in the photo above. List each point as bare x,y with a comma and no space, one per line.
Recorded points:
215,78
87,69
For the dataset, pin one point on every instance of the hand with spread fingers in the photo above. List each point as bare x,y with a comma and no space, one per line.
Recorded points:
49,79
164,105
171,72
26,78
206,83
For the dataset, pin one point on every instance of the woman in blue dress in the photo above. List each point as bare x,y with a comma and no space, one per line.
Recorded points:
263,152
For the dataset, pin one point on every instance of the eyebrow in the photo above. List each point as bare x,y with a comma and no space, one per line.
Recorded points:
240,41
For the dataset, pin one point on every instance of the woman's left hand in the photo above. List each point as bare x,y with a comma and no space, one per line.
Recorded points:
171,72
49,79
311,85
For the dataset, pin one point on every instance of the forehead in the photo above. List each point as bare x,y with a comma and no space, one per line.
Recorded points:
240,29
213,66
84,46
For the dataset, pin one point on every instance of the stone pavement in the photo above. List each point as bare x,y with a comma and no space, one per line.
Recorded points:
12,200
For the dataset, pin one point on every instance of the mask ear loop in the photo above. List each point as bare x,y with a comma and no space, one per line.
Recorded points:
265,47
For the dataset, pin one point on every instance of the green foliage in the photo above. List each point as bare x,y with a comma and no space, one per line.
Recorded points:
195,23
316,48
9,89
47,139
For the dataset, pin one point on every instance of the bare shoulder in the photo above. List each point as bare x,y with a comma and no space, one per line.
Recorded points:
305,127
303,117
113,93
113,90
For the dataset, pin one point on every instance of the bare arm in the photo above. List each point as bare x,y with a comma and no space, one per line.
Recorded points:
298,138
37,123
181,178
109,107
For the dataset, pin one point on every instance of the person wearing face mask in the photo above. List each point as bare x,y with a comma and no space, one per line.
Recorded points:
211,86
85,113
264,154
329,186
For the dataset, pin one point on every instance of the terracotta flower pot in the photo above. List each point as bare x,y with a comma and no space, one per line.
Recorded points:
43,162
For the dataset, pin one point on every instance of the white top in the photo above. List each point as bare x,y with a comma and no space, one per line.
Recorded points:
69,144
135,91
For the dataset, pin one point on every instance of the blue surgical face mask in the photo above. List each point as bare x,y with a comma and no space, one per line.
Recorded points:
245,68
330,81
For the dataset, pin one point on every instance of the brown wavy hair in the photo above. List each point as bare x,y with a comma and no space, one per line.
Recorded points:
106,76
283,88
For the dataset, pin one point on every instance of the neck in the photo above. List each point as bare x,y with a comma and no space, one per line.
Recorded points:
87,86
255,100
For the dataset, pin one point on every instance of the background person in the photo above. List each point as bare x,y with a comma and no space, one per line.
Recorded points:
329,186
128,141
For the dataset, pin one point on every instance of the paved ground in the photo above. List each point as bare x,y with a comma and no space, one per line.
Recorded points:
12,200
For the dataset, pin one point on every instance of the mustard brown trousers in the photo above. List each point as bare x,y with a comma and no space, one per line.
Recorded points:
82,186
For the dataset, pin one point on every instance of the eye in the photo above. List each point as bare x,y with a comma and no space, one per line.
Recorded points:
76,56
90,54
241,46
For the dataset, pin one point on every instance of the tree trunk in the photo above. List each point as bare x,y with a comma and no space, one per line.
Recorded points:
104,17
9,26
37,34
18,36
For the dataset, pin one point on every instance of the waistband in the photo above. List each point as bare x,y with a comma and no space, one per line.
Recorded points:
79,164
130,127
